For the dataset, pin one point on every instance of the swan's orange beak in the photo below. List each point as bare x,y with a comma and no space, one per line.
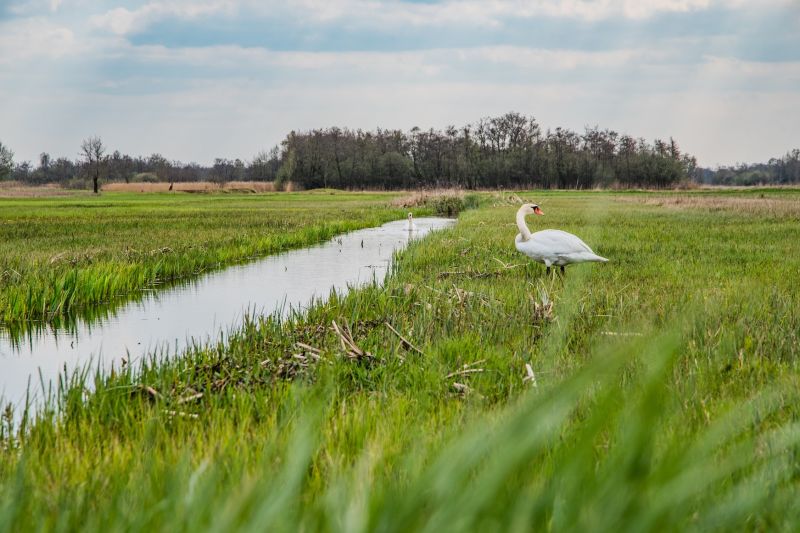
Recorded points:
538,211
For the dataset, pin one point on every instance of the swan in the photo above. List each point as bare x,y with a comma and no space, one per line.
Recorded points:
411,226
551,246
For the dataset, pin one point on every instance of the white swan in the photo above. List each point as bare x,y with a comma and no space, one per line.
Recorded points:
411,226
551,246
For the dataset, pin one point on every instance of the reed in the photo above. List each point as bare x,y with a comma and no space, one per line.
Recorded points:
191,187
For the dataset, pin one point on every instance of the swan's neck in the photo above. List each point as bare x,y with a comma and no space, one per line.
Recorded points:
523,227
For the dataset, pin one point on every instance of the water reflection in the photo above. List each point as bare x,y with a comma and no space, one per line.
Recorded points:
170,319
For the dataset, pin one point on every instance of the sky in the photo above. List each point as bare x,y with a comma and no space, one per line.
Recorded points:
195,80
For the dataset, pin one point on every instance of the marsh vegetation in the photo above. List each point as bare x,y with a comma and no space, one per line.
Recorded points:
470,392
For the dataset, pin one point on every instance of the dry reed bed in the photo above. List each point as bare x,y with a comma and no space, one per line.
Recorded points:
424,197
15,189
197,186
752,206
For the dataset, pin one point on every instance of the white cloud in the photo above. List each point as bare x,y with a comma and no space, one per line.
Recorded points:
33,7
26,39
491,12
122,21
186,123
424,62
176,100
731,67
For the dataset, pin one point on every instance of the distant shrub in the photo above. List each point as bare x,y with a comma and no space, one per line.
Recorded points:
472,201
449,206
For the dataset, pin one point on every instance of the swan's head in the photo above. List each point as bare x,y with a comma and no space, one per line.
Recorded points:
531,209
410,216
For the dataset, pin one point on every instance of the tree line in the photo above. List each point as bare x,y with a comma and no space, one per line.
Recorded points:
777,171
95,164
509,151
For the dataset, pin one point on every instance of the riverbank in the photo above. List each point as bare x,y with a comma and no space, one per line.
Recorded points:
59,255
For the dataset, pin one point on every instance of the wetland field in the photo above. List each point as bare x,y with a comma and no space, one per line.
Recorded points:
468,392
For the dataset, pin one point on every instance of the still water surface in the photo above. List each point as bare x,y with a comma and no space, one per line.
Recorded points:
168,321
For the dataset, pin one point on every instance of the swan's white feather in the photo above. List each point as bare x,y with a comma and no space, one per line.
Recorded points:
410,226
556,247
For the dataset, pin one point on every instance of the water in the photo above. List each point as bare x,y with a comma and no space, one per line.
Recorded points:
167,321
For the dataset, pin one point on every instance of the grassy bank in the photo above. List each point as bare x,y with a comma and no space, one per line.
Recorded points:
58,255
662,392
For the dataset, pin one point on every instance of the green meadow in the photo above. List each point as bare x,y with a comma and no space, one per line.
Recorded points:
63,255
471,392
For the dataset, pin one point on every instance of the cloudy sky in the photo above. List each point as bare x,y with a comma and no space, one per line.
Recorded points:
195,80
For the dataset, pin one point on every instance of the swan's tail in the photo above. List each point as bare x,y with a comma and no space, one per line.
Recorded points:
597,258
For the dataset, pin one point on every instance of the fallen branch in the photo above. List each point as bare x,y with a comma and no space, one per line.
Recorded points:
314,353
405,343
460,387
348,344
464,372
620,334
190,398
473,274
308,347
181,414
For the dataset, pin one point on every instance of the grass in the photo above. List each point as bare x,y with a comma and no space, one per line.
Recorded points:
665,393
59,256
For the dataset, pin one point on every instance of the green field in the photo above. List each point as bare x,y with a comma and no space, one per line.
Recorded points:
62,255
665,391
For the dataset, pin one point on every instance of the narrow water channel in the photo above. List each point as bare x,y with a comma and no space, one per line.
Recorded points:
167,321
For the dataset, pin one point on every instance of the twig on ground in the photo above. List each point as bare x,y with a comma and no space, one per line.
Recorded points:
464,372
621,333
181,414
477,274
505,265
348,344
191,397
405,343
461,388
308,347
314,353
530,375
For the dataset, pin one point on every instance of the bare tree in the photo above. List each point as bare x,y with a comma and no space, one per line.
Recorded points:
93,152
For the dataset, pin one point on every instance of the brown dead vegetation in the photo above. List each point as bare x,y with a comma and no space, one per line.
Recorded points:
196,186
751,206
15,189
424,197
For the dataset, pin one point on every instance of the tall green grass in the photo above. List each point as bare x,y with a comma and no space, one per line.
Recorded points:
665,395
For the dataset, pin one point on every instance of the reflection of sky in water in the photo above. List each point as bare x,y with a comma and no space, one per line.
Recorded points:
204,308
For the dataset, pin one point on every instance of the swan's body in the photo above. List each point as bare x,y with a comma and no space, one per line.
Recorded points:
552,247
410,226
